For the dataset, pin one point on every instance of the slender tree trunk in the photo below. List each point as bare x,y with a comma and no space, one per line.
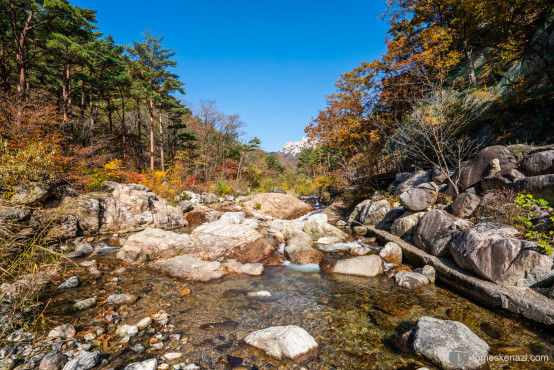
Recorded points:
139,132
82,98
151,114
110,118
161,137
469,64
66,93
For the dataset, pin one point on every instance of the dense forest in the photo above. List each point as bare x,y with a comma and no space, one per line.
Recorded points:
467,72
79,108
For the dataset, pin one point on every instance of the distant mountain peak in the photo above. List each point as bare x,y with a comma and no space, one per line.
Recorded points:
292,149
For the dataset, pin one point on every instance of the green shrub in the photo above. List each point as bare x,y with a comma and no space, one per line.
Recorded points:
222,187
257,206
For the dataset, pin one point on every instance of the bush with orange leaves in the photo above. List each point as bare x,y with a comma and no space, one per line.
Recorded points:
30,136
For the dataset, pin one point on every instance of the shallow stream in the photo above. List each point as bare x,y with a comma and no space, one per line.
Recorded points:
354,320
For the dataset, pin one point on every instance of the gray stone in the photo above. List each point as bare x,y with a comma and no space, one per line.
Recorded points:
500,180
299,250
434,232
465,204
439,341
319,230
127,331
151,364
391,253
410,280
13,214
53,361
282,341
393,214
338,247
152,244
430,273
139,348
185,206
541,163
121,299
20,337
406,225
367,266
373,212
65,331
473,171
72,282
419,198
541,187
233,218
29,194
83,362
411,180
491,252
85,303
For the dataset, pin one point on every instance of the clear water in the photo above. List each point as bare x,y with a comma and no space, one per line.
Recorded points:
354,320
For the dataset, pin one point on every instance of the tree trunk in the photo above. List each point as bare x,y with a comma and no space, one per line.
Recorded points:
151,114
469,64
161,137
139,132
66,93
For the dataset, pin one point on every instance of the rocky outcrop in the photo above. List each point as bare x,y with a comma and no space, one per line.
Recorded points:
153,244
215,239
465,204
367,266
435,231
502,179
490,251
479,166
317,227
276,205
419,198
449,344
541,163
30,194
282,341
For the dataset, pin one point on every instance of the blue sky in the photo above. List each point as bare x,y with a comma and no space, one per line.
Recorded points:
271,62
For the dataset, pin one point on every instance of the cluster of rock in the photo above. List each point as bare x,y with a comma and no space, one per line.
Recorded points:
490,250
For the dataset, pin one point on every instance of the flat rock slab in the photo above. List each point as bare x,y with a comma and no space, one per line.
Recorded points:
277,205
367,266
282,341
191,268
449,344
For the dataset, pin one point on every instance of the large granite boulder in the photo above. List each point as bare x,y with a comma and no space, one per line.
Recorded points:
492,252
465,204
369,212
216,240
367,266
541,163
410,180
541,187
154,244
406,225
276,205
391,253
282,341
419,198
262,250
449,344
434,232
479,167
285,229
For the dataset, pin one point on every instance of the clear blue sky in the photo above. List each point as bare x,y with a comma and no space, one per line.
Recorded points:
271,62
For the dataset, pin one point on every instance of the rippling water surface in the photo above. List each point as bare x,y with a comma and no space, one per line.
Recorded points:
354,320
